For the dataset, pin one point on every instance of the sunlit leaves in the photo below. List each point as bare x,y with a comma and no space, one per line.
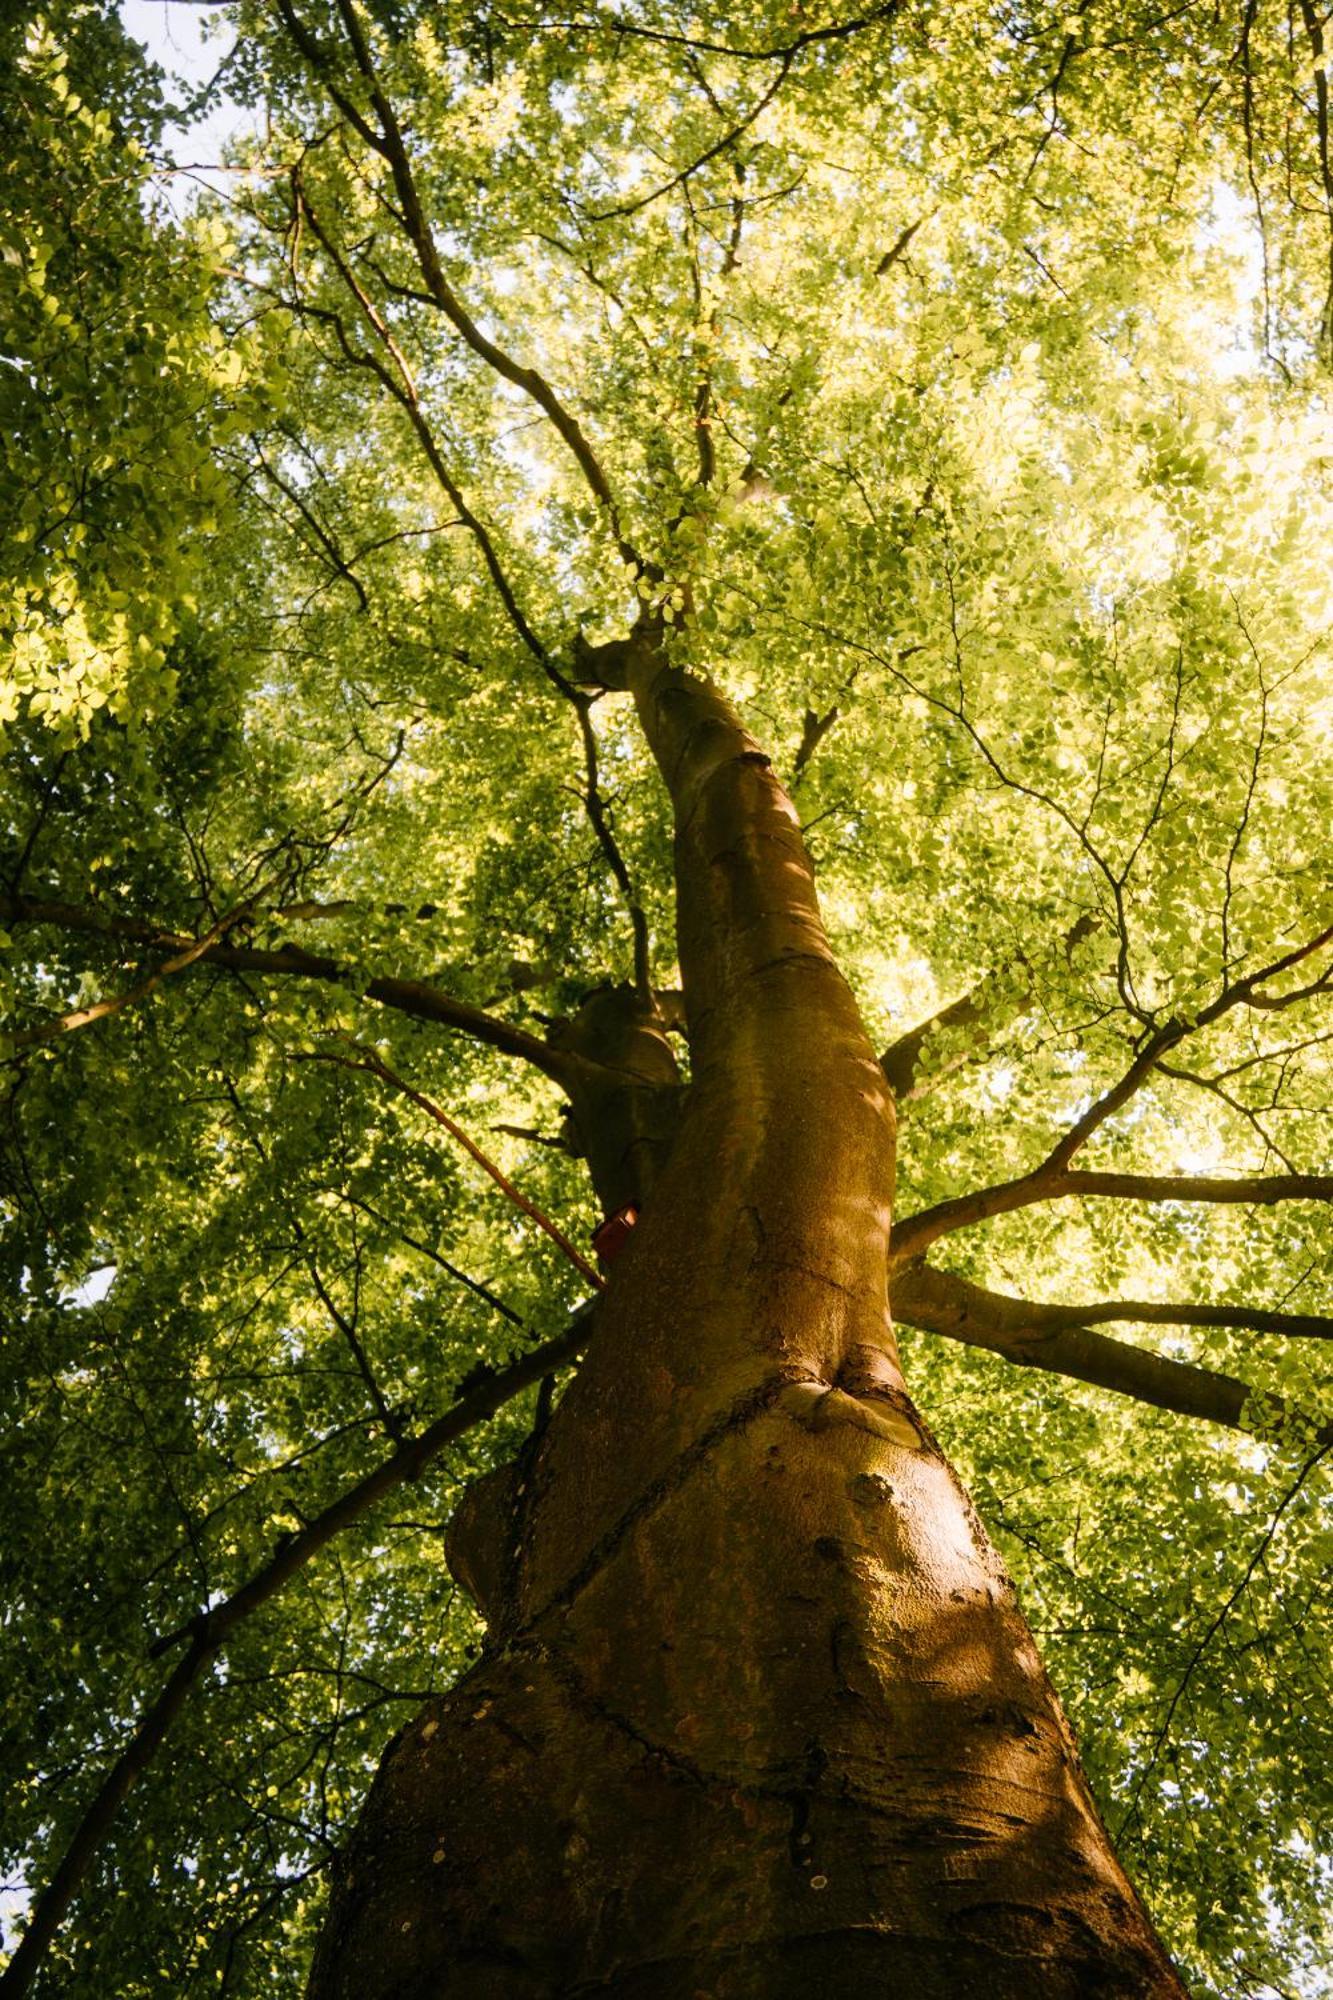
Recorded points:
945,402
110,364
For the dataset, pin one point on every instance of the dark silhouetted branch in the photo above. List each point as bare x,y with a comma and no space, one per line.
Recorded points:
208,1633
406,996
1062,1340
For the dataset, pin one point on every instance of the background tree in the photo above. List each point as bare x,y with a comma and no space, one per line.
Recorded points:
954,392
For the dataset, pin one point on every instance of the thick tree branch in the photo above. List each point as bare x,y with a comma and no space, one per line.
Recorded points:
901,244
1152,1312
318,60
918,1232
1047,1181
1255,1190
406,996
814,728
1061,1340
901,1060
209,1632
1244,992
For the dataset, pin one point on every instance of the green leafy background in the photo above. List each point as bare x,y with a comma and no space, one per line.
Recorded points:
1038,499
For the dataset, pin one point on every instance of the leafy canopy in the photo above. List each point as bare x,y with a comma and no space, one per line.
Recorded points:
953,385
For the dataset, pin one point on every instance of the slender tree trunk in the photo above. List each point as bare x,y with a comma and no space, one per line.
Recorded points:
761,1715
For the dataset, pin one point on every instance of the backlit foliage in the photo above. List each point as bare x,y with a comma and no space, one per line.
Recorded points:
957,382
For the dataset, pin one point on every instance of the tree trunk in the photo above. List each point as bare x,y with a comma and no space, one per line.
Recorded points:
760,1715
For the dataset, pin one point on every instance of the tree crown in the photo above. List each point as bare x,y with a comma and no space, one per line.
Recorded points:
953,389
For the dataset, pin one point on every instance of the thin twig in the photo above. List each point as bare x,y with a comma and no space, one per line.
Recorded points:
366,1059
1214,1627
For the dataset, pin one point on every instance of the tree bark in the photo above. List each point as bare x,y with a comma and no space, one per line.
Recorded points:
760,1715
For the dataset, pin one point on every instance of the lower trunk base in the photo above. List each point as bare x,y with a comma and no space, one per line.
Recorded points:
524,1842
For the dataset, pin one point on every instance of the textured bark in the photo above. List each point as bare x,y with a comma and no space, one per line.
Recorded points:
625,1100
761,1715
